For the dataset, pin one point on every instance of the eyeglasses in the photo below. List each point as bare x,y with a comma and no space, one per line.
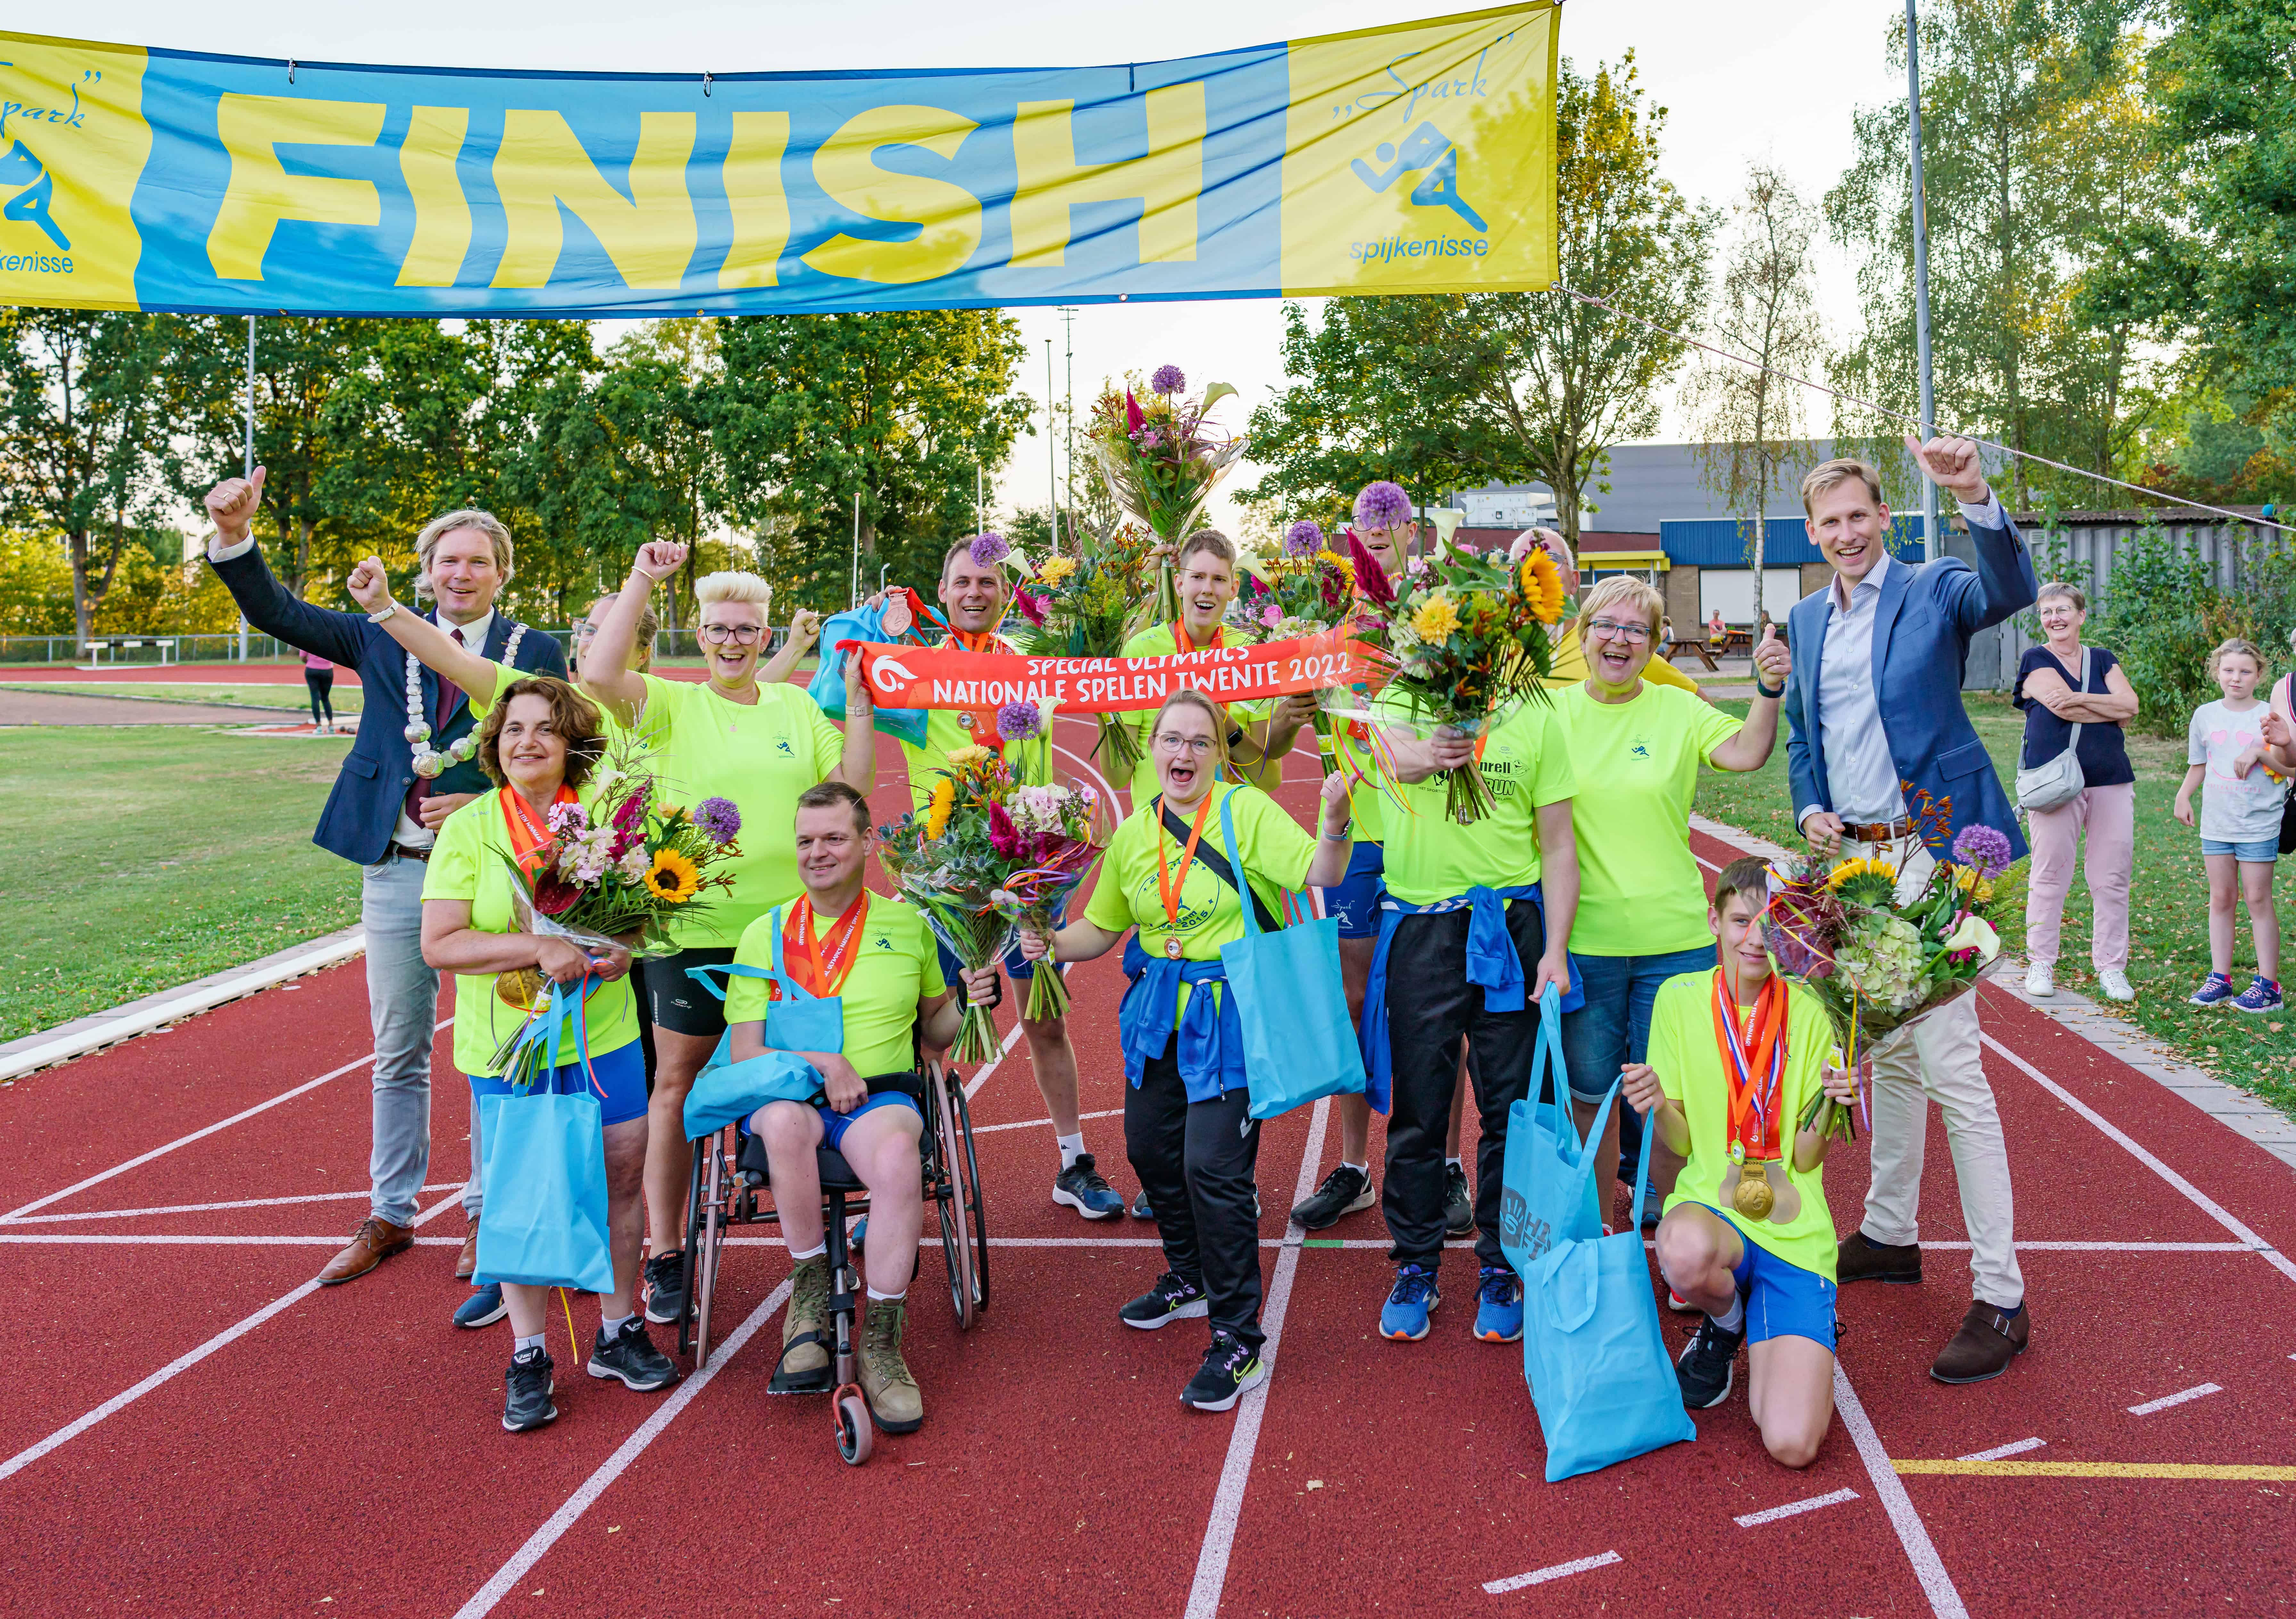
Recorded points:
740,634
1609,629
584,629
1172,741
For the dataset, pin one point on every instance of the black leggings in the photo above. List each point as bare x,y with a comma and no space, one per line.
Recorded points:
321,681
1196,1162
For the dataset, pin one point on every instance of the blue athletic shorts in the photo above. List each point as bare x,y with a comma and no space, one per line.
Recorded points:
1782,1300
2256,852
1354,901
620,1073
834,1124
1017,967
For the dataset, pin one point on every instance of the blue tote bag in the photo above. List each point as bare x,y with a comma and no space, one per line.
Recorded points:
1298,1042
1600,1377
545,1172
800,1021
1552,1191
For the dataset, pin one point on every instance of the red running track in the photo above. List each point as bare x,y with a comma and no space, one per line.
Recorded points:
259,1447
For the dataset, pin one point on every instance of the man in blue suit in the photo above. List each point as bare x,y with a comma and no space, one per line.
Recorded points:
1874,701
389,798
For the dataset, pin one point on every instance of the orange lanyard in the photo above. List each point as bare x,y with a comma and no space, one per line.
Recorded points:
1754,1055
1166,886
528,835
1183,642
823,966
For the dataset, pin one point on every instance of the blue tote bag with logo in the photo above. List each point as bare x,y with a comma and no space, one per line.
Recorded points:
799,1021
546,1170
1600,1377
1551,1192
1298,1042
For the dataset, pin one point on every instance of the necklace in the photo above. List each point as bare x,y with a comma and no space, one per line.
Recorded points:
429,761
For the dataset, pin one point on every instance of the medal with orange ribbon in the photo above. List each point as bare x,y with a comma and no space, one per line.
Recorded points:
1754,1055
1167,885
822,965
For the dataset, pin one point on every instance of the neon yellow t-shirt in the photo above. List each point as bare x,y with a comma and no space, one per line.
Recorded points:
949,728
1689,1067
1277,852
761,757
471,861
1527,764
645,734
897,969
1570,665
1638,889
1157,640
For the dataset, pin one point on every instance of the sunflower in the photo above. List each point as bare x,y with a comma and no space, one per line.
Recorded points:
672,877
1435,618
1864,882
1052,570
938,806
1541,583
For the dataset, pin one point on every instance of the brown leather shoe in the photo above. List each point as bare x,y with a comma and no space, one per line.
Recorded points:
1860,1258
467,1266
375,1240
1989,1339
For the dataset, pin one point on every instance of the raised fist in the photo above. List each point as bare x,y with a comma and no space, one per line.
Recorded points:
659,559
369,586
1953,465
231,505
804,627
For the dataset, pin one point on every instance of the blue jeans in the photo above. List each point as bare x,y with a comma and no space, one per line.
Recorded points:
1613,1027
402,998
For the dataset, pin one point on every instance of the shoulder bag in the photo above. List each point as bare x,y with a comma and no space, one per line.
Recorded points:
2054,783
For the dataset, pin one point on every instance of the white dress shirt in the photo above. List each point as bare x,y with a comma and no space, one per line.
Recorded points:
1860,771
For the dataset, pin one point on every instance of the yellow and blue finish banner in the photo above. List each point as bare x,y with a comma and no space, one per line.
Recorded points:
1414,159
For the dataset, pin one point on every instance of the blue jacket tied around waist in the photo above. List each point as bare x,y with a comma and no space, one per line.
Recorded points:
1211,1041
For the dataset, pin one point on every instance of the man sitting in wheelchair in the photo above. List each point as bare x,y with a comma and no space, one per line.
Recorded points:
876,958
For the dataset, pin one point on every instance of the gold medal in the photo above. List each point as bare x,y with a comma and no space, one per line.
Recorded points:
1754,1196
524,989
1172,947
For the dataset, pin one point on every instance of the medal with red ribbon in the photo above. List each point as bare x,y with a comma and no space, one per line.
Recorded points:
1754,1058
822,965
529,833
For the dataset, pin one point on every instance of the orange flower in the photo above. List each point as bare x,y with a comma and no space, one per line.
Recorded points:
1542,585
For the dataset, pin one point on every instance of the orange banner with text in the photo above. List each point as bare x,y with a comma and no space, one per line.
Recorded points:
950,677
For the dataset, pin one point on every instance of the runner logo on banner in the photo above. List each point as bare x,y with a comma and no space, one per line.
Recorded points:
950,677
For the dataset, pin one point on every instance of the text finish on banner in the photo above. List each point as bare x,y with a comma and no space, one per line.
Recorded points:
1412,158
950,677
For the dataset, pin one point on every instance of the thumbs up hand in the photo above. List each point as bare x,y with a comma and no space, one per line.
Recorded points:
1772,662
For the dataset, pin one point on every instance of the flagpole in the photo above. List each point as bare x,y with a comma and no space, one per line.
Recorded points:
247,458
1930,547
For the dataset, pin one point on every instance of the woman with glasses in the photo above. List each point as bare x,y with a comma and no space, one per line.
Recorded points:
1635,747
804,629
732,736
1188,1128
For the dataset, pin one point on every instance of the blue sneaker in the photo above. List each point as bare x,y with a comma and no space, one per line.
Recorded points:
483,1308
2261,995
860,1238
1403,1316
1080,1187
2215,990
1498,1306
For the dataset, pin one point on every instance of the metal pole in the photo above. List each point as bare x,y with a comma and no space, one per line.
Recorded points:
1931,548
247,460
1068,326
1052,451
854,598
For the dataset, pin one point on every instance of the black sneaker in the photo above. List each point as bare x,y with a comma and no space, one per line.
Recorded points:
527,1389
665,1280
1230,1367
630,1355
1081,1187
1458,1202
1140,1209
1707,1367
1173,1298
1344,1192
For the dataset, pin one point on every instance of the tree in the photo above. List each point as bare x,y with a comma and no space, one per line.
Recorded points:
1748,418
77,431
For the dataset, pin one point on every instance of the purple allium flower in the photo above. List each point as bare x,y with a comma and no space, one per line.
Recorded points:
1982,848
1304,538
987,548
719,817
1168,379
1383,505
1018,722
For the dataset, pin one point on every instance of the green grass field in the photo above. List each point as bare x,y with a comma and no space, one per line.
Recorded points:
2168,905
286,699
139,858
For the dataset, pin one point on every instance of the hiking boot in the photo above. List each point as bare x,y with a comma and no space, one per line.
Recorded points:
892,1393
1344,1192
804,1367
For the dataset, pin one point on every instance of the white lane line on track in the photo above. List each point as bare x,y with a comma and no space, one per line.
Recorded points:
1037,1123
2199,1392
1929,1568
2199,1198
202,1208
993,1064
1560,1571
1235,1472
1796,1508
507,1577
158,1152
106,1239
2017,1447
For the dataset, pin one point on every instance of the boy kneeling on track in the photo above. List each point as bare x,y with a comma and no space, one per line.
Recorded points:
1734,1058
875,959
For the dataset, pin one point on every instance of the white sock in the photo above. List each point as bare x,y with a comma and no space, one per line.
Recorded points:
888,1299
609,1326
535,1343
1363,1169
1455,1164
1070,1145
1735,1316
814,1251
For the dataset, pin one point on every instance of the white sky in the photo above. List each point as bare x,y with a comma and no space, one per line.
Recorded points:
1773,79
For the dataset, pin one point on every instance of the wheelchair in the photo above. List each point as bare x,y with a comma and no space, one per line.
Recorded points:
729,1172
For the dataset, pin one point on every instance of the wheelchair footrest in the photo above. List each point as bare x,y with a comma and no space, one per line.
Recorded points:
816,1381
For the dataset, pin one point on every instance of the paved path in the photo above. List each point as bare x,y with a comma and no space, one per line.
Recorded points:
71,709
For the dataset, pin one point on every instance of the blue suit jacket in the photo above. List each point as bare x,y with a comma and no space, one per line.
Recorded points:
363,810
1927,614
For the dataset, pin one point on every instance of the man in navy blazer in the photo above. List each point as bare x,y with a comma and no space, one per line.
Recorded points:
382,814
1874,701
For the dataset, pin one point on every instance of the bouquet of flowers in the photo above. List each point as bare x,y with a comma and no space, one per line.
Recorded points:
1464,641
984,856
1305,588
1876,962
1161,458
1081,606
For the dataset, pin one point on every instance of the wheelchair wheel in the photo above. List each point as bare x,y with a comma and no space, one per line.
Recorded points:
949,1199
965,1171
855,1435
702,1150
715,1181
